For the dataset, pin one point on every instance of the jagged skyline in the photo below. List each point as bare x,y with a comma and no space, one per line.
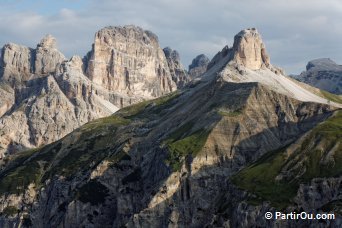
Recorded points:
294,32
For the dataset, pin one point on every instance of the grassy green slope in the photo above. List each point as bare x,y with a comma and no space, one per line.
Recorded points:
95,141
320,155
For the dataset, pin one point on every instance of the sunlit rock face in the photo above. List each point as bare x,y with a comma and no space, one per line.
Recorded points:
47,56
129,60
249,49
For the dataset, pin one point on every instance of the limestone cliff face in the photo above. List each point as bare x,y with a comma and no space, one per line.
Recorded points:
129,60
16,63
34,110
7,98
179,75
47,108
249,50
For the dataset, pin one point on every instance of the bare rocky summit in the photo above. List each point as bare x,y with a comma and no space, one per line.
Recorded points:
198,66
47,57
238,141
249,50
129,60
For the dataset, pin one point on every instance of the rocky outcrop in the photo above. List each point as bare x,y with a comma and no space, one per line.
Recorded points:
324,74
7,98
43,117
47,57
198,66
249,50
222,56
16,63
129,60
179,75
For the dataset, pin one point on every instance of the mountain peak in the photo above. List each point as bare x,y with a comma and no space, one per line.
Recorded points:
249,50
48,42
199,60
171,54
322,64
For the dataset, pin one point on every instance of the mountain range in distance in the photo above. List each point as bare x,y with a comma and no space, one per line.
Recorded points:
324,74
217,145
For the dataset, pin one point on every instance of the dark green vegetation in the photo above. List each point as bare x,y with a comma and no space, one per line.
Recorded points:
310,160
259,179
36,166
92,192
121,155
23,171
332,97
10,211
181,145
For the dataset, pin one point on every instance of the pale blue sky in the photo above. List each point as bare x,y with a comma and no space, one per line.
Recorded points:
44,7
294,31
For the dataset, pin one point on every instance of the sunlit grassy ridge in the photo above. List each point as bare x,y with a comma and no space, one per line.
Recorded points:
332,97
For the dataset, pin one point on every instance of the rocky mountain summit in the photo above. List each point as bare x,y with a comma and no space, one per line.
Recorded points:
249,50
127,59
198,66
45,96
238,141
19,64
324,74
